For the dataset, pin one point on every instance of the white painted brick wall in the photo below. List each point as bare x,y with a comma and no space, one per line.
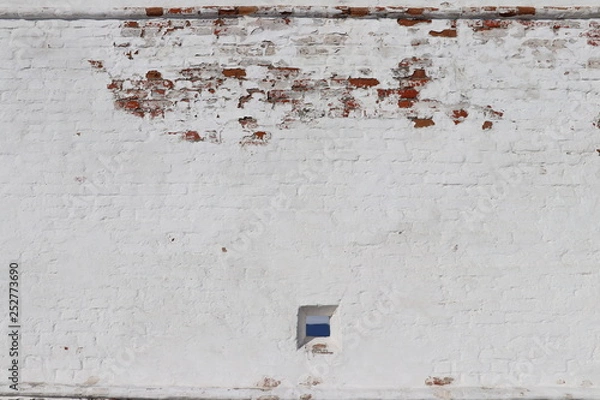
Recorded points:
453,251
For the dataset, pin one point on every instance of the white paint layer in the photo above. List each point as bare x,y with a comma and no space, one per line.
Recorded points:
175,191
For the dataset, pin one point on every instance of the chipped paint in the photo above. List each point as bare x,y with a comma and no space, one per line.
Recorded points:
459,116
288,88
437,381
237,11
268,383
259,138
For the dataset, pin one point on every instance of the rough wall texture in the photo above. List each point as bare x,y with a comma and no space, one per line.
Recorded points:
175,190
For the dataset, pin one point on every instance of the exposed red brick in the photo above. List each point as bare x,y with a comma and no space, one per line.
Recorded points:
116,84
246,10
131,105
423,122
435,381
383,93
260,138
487,125
154,11
408,93
192,136
238,73
459,116
525,10
235,11
513,12
131,24
155,96
260,135
412,22
419,77
419,74
358,11
354,11
415,11
489,24
153,75
363,82
450,33
402,93
350,104
188,10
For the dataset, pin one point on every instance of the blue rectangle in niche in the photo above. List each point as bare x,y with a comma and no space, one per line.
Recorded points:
319,330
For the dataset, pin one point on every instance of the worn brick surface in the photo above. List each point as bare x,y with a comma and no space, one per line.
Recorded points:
175,189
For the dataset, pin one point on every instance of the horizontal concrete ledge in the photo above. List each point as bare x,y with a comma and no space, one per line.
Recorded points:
395,12
45,391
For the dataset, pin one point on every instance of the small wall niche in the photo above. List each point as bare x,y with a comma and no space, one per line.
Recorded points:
318,329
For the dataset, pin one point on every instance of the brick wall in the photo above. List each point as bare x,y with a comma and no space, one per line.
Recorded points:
175,189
